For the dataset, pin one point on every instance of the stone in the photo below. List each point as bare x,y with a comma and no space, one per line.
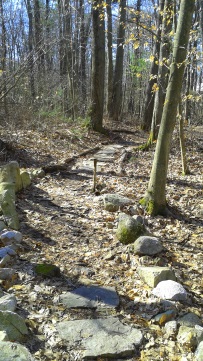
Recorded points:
112,202
10,351
164,317
146,245
2,226
199,352
25,177
106,337
189,319
170,290
4,260
129,229
8,303
171,327
7,205
7,250
152,275
91,297
6,273
10,237
14,325
187,337
3,336
37,173
47,270
11,173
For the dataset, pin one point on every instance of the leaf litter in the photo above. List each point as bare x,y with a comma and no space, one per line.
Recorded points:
63,223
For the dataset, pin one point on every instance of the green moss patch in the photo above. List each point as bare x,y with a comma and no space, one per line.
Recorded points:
47,270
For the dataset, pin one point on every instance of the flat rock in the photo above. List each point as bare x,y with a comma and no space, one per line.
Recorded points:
189,319
14,325
10,237
152,275
112,202
8,303
10,351
101,337
91,297
6,273
170,290
146,245
3,336
6,250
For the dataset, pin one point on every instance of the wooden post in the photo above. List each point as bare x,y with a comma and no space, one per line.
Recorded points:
95,174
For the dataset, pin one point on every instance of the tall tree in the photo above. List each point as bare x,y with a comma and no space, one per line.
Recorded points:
155,198
98,66
117,92
150,95
3,54
110,54
163,71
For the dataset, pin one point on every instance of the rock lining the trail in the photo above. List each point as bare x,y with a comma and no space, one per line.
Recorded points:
103,337
91,297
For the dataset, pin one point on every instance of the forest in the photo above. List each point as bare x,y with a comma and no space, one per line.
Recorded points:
101,207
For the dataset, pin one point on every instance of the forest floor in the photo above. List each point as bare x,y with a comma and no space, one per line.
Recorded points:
63,224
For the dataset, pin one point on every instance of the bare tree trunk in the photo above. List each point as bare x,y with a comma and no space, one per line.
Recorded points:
155,198
150,95
3,54
30,46
98,66
110,55
116,103
163,70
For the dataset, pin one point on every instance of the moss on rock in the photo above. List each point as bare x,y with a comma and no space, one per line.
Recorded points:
47,270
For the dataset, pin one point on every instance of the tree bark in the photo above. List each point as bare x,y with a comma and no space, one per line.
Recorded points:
155,198
98,67
116,103
149,98
163,70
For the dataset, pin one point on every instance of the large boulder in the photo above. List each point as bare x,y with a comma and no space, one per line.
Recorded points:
112,202
14,325
170,290
147,245
129,229
10,351
152,275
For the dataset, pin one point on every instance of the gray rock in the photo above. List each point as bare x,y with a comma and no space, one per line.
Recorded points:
199,352
3,336
170,290
189,319
7,250
37,173
153,275
10,351
171,327
25,177
129,229
2,226
4,260
187,336
101,337
14,325
112,202
8,303
10,237
6,273
91,297
146,245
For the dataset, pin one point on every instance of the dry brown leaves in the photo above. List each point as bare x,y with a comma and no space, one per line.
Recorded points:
63,223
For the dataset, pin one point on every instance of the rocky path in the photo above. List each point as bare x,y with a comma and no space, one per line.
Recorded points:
100,306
